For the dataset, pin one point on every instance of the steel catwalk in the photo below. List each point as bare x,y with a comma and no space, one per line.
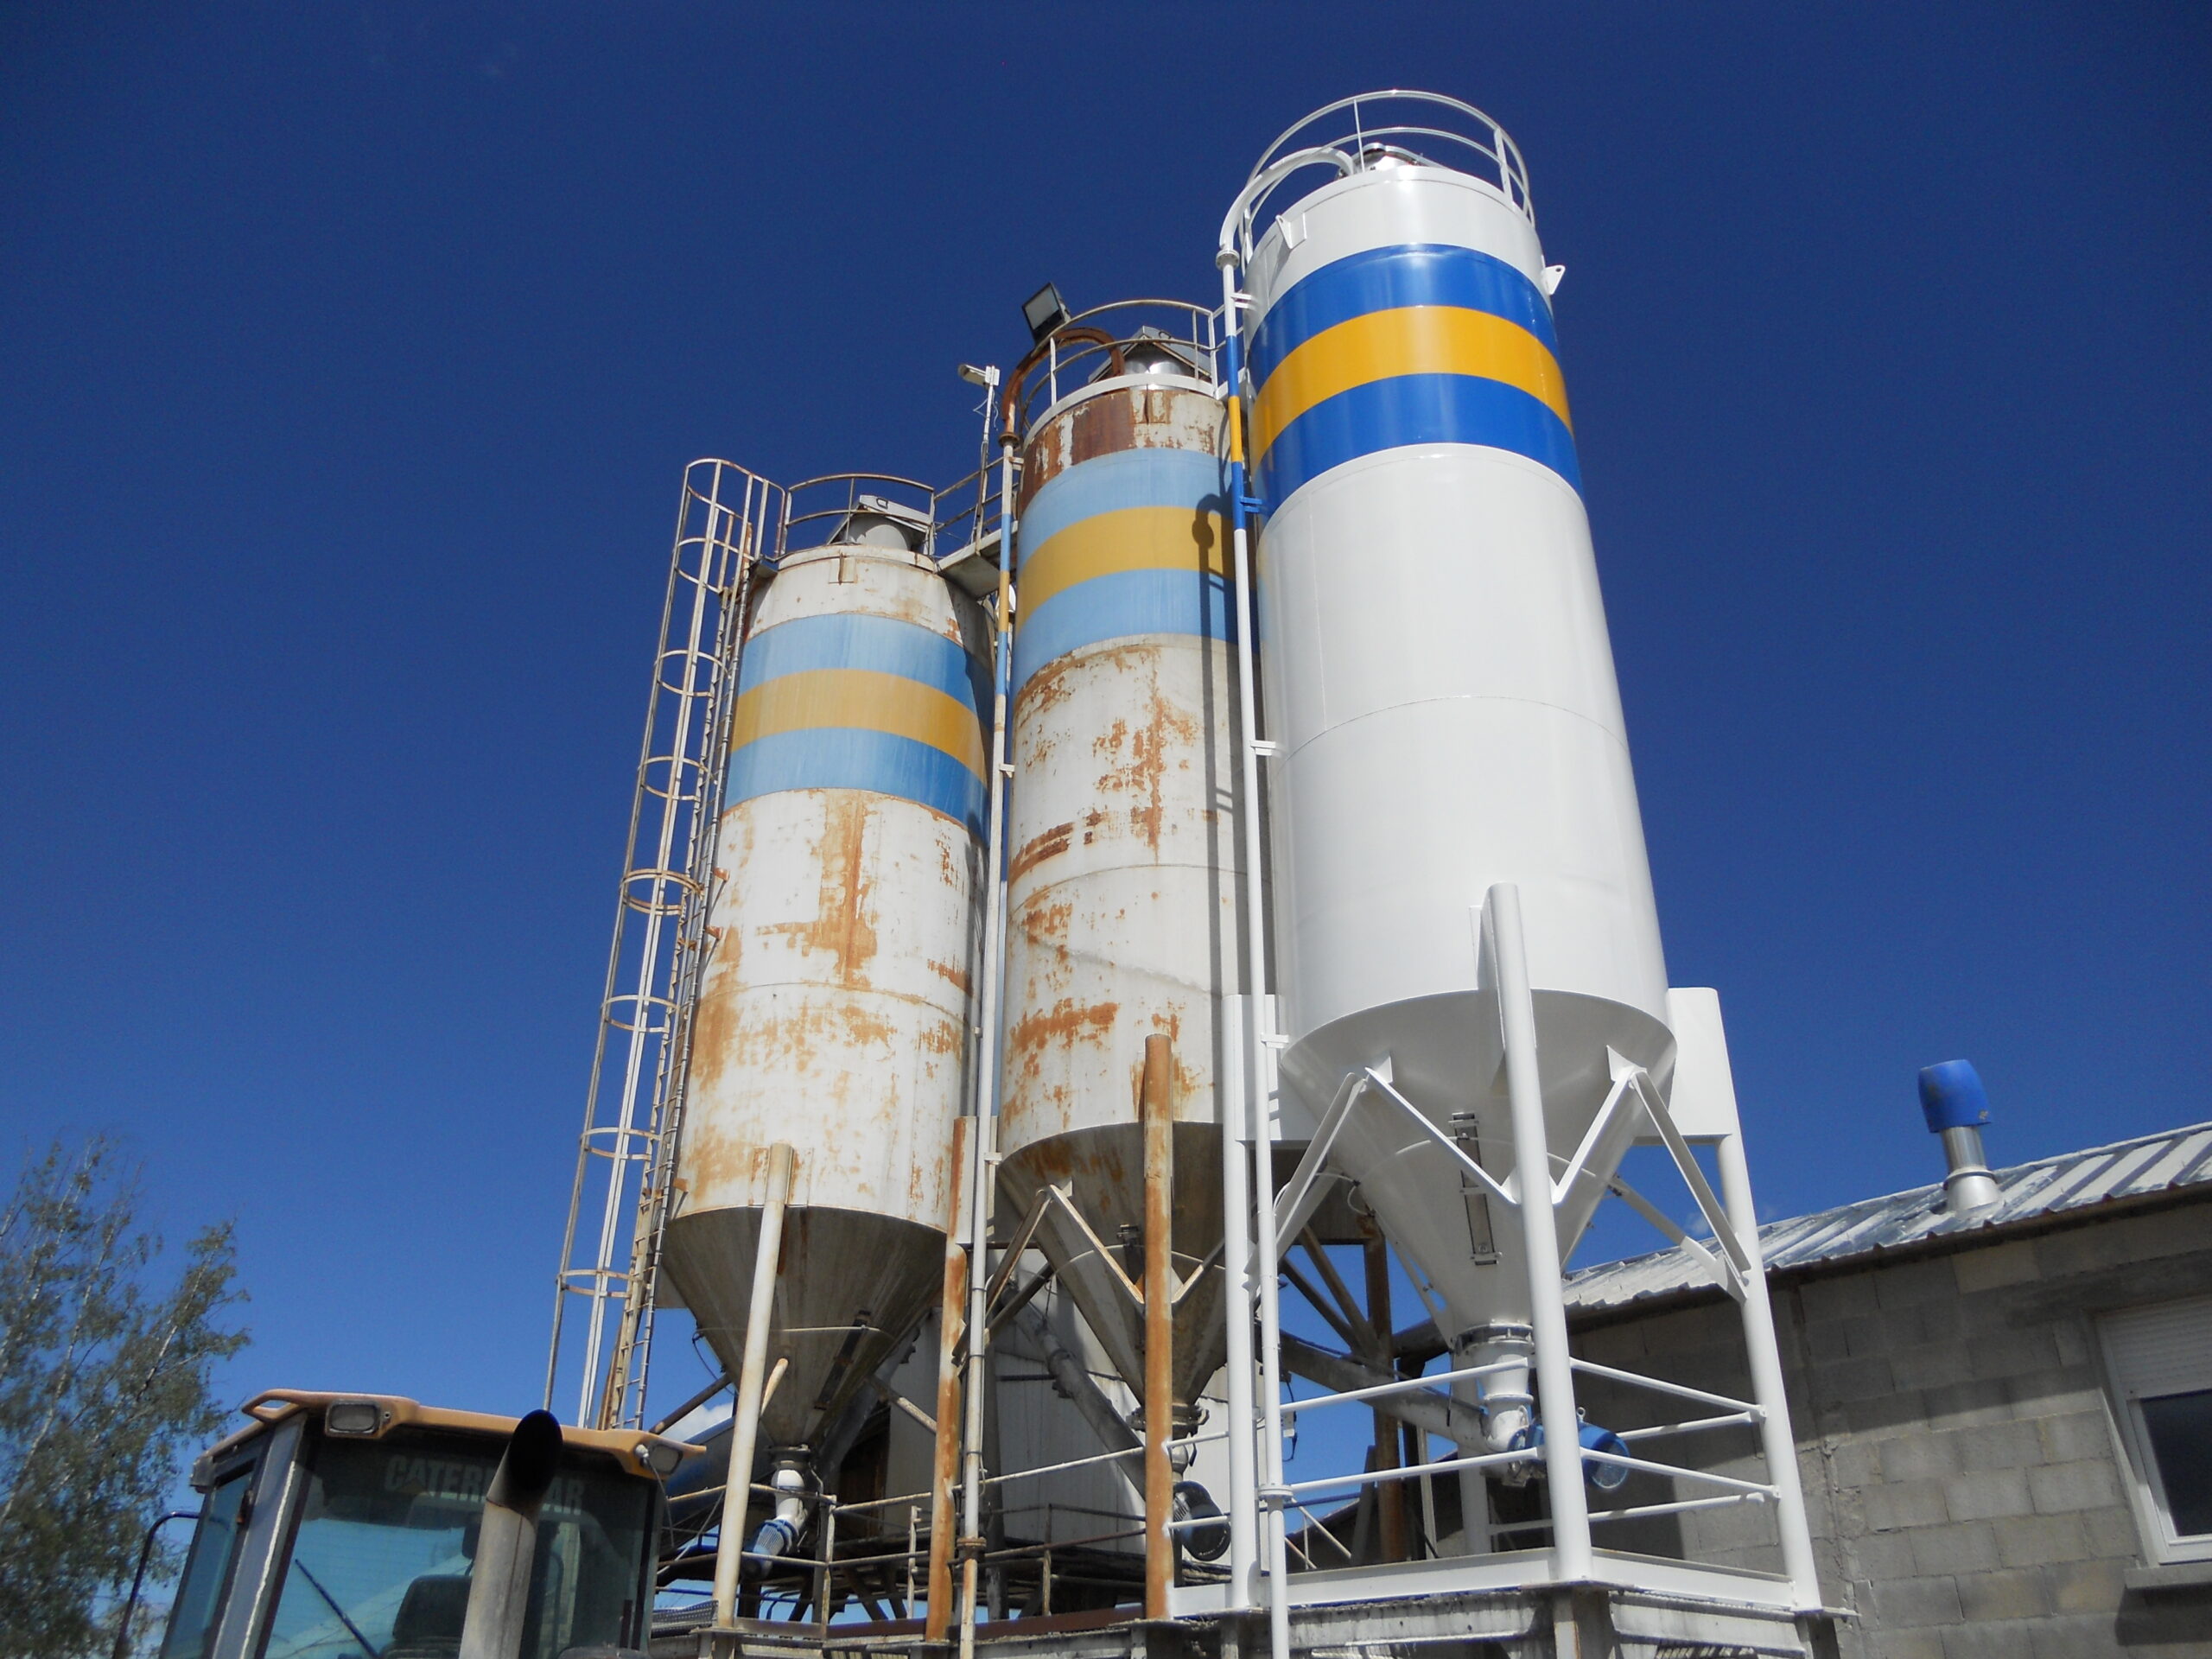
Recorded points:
835,1010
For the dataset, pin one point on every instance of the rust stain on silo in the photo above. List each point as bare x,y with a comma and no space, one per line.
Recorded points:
1062,1026
1050,844
841,925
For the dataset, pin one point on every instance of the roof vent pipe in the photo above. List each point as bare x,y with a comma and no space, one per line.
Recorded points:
1956,1106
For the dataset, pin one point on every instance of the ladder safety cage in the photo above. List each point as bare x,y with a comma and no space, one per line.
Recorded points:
732,526
727,520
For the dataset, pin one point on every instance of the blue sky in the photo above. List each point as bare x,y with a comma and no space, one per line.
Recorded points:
349,356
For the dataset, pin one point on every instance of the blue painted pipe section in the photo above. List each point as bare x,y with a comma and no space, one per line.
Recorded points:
1606,1477
1952,1098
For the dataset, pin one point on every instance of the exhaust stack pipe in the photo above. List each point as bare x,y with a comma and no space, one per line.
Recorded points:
506,1540
1956,1106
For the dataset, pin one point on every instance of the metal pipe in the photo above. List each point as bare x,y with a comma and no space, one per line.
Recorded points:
1267,1494
1368,1477
1074,1384
1516,1009
1156,1107
1660,1385
1236,1313
1416,1403
1969,1186
947,1465
972,1542
1765,1352
506,1540
745,1416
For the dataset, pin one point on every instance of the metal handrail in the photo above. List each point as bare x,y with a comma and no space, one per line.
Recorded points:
1180,323
840,493
1475,146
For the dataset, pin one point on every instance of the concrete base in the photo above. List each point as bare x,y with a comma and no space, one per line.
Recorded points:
1586,1620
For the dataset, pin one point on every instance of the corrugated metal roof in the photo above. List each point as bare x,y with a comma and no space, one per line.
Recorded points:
2073,1180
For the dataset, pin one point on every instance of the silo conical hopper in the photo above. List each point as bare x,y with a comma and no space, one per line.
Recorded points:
1439,680
1124,913
834,1013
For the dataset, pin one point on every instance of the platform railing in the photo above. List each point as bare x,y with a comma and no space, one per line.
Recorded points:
1398,124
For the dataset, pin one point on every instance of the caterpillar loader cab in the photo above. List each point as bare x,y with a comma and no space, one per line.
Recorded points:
359,1526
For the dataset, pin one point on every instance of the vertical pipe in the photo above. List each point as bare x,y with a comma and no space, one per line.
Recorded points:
506,1543
1766,1355
1475,1531
1256,982
1157,1106
946,1468
823,1608
987,1052
1389,1494
1237,1312
745,1419
1532,1162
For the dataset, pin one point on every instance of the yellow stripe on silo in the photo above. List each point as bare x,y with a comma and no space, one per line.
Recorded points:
864,699
1407,339
1130,538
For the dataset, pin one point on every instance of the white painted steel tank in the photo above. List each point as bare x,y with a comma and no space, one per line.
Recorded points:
834,1013
1123,902
1438,675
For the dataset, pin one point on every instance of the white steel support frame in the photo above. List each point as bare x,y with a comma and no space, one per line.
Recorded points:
1734,1262
634,1105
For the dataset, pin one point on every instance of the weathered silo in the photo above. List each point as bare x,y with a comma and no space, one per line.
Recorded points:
835,1010
1123,867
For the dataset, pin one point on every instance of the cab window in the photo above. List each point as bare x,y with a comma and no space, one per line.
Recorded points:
381,1557
207,1569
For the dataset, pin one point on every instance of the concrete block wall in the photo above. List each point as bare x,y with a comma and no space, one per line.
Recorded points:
1966,1486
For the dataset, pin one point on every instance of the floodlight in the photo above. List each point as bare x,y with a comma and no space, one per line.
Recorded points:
1044,311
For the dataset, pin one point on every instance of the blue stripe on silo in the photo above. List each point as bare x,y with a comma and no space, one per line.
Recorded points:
882,643
851,758
1382,279
1411,409
1128,478
1116,607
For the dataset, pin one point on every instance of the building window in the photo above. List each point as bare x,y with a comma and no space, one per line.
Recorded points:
2160,1359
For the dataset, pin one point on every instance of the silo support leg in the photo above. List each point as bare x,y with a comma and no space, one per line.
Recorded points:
947,1468
1517,1013
744,1421
1157,1109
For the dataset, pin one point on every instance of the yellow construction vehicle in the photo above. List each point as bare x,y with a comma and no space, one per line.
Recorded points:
362,1526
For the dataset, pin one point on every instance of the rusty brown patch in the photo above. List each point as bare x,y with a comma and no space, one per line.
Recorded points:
1050,844
841,925
951,972
1048,925
1062,1026
712,1022
1047,689
1146,751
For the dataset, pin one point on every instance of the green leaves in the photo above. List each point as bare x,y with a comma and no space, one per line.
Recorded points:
104,1390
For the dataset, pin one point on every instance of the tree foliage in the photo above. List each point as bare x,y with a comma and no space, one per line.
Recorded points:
103,1389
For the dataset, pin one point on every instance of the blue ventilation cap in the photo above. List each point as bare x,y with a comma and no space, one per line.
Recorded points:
1952,1098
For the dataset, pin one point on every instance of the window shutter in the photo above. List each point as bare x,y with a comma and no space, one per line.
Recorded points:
2162,1350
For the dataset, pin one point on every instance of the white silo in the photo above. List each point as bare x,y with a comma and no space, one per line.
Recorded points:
1440,691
